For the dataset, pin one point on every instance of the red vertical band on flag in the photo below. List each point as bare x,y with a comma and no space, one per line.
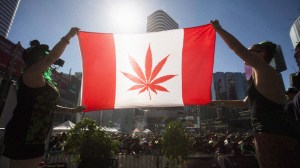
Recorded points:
99,70
197,64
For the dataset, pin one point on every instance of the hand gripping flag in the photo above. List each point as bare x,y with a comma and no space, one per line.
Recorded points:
159,69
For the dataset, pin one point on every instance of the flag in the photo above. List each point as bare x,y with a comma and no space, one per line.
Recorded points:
157,69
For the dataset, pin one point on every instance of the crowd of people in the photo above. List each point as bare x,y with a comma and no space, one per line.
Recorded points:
56,142
201,141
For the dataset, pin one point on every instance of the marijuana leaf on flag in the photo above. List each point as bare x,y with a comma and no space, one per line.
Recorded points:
146,81
176,65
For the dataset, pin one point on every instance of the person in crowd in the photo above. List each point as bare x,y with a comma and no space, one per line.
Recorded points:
37,100
296,84
146,148
135,147
297,55
275,142
220,147
246,144
289,105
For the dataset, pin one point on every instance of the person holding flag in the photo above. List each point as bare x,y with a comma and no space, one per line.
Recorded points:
275,140
37,99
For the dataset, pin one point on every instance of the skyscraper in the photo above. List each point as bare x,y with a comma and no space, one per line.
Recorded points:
235,85
295,38
229,85
295,32
159,21
8,9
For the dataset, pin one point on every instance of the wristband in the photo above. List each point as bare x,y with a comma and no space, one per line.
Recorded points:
64,39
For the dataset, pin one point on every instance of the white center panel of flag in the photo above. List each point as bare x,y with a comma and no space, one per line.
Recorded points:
162,44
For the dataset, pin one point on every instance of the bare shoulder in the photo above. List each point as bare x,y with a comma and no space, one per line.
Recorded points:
33,78
268,83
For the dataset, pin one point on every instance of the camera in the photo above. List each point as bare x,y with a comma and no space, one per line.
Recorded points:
59,62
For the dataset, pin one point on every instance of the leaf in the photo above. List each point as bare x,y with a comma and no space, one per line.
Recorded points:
152,87
146,81
136,87
137,68
162,79
142,90
158,87
148,63
158,67
133,78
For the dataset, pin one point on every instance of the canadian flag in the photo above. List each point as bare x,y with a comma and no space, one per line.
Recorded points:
159,69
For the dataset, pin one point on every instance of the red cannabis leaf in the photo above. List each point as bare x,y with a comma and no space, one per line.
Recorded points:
147,81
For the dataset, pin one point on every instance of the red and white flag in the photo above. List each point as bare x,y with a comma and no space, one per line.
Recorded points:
159,69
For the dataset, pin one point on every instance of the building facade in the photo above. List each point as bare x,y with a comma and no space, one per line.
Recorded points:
227,86
232,85
295,32
295,38
160,21
235,84
8,11
11,63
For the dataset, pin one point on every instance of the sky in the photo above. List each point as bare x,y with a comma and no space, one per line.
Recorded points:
249,21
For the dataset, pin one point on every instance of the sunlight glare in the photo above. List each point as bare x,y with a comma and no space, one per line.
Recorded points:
125,18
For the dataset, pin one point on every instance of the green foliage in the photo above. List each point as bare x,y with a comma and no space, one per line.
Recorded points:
88,141
175,143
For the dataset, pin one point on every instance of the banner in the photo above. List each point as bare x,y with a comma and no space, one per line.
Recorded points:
159,69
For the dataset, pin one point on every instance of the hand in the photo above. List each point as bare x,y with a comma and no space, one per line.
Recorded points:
78,109
73,31
215,24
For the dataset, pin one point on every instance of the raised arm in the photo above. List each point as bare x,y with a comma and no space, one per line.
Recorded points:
235,45
266,80
57,50
33,75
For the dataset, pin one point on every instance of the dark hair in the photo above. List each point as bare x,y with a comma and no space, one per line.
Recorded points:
36,50
32,54
295,80
269,48
291,90
297,54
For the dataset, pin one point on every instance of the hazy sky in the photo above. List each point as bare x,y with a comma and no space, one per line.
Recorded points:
250,21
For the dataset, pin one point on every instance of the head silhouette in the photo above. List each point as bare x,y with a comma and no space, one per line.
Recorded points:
36,50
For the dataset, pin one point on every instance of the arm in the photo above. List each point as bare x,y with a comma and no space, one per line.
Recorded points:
69,110
57,50
235,45
265,77
33,76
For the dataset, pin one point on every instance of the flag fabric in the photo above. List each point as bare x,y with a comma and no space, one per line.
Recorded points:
157,69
